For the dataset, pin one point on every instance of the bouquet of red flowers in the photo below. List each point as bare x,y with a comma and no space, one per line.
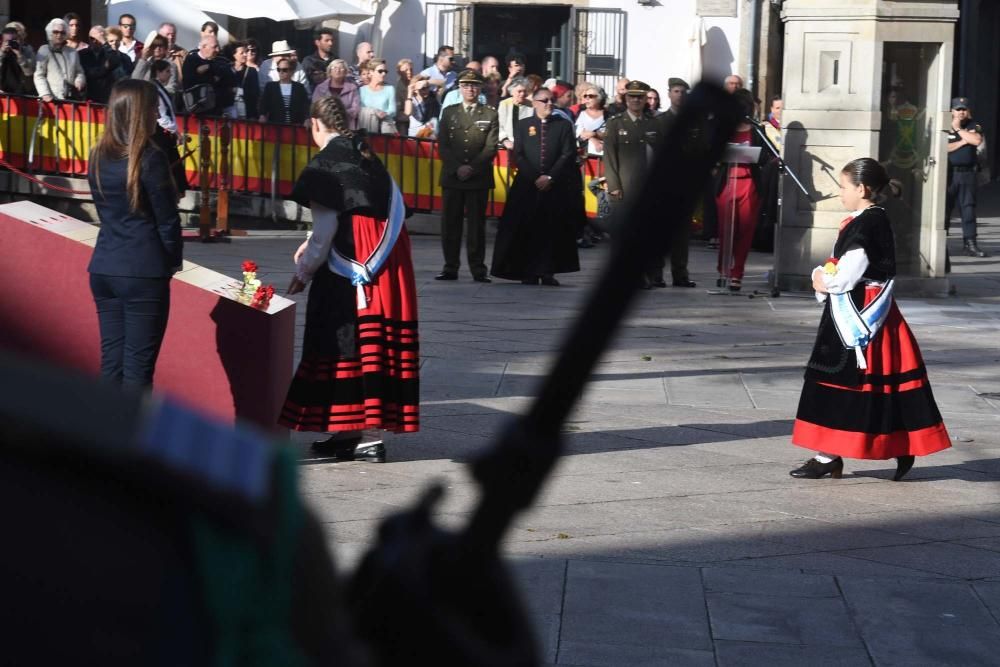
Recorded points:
262,297
251,292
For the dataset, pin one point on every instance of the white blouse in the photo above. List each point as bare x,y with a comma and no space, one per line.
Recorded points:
850,269
325,221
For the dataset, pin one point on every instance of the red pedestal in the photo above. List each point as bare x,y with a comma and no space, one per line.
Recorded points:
219,355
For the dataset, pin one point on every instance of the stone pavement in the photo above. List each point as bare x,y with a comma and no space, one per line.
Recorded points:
670,533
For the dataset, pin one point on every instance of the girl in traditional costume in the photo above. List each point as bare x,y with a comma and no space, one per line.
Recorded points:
866,393
360,348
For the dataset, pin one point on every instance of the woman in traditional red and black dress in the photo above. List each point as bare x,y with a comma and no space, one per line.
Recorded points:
360,348
866,394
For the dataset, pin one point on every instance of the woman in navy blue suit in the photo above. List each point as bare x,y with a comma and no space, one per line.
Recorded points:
139,246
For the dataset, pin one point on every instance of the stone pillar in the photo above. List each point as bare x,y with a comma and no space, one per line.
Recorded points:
867,78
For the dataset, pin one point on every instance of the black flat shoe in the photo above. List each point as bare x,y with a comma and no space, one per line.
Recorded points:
481,279
658,283
550,281
685,283
372,452
813,469
446,275
337,445
903,465
530,281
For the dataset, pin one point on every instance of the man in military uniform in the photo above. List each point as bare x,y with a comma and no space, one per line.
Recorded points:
630,141
467,144
963,143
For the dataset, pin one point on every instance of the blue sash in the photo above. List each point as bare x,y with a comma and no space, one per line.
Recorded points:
858,328
364,274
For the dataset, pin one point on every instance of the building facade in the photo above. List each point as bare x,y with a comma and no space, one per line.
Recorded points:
593,40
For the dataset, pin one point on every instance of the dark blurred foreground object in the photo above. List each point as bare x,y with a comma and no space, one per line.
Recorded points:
143,534
424,595
140,533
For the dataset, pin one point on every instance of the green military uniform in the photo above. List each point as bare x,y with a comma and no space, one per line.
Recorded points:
629,147
466,136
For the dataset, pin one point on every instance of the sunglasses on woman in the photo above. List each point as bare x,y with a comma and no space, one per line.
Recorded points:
382,71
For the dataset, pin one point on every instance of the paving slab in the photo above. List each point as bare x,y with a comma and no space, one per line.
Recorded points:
729,581
781,619
592,654
933,623
754,654
628,604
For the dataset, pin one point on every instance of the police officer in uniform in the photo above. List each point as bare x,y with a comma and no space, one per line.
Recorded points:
630,141
467,144
963,141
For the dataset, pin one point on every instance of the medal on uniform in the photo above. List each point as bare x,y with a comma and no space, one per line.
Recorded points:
532,131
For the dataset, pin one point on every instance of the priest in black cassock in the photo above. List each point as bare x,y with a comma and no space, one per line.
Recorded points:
537,238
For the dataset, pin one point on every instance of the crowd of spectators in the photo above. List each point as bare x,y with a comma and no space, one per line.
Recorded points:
241,80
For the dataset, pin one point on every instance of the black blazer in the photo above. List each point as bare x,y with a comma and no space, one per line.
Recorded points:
272,104
560,148
136,244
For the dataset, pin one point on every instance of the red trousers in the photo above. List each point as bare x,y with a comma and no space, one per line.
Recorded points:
739,207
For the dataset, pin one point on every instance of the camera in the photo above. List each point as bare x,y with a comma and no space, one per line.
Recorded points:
14,45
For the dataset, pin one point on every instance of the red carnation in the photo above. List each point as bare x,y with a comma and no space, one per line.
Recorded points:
249,266
262,297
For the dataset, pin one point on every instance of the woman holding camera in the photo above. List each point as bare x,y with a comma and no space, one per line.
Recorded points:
139,246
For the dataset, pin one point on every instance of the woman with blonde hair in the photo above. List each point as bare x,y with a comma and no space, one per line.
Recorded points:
139,245
591,122
360,357
378,101
404,77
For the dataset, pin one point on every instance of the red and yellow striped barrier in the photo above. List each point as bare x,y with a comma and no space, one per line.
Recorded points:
264,159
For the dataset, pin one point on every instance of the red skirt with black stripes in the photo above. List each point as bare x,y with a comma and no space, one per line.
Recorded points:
359,367
891,412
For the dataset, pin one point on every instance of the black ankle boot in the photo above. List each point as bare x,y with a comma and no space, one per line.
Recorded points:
813,469
972,249
903,465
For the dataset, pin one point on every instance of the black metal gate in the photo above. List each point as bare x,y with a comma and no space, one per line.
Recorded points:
450,24
600,46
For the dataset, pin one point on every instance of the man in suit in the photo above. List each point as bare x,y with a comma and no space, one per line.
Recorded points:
630,141
677,90
536,238
467,144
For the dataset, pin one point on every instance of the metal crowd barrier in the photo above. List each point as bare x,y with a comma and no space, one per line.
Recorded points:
264,159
